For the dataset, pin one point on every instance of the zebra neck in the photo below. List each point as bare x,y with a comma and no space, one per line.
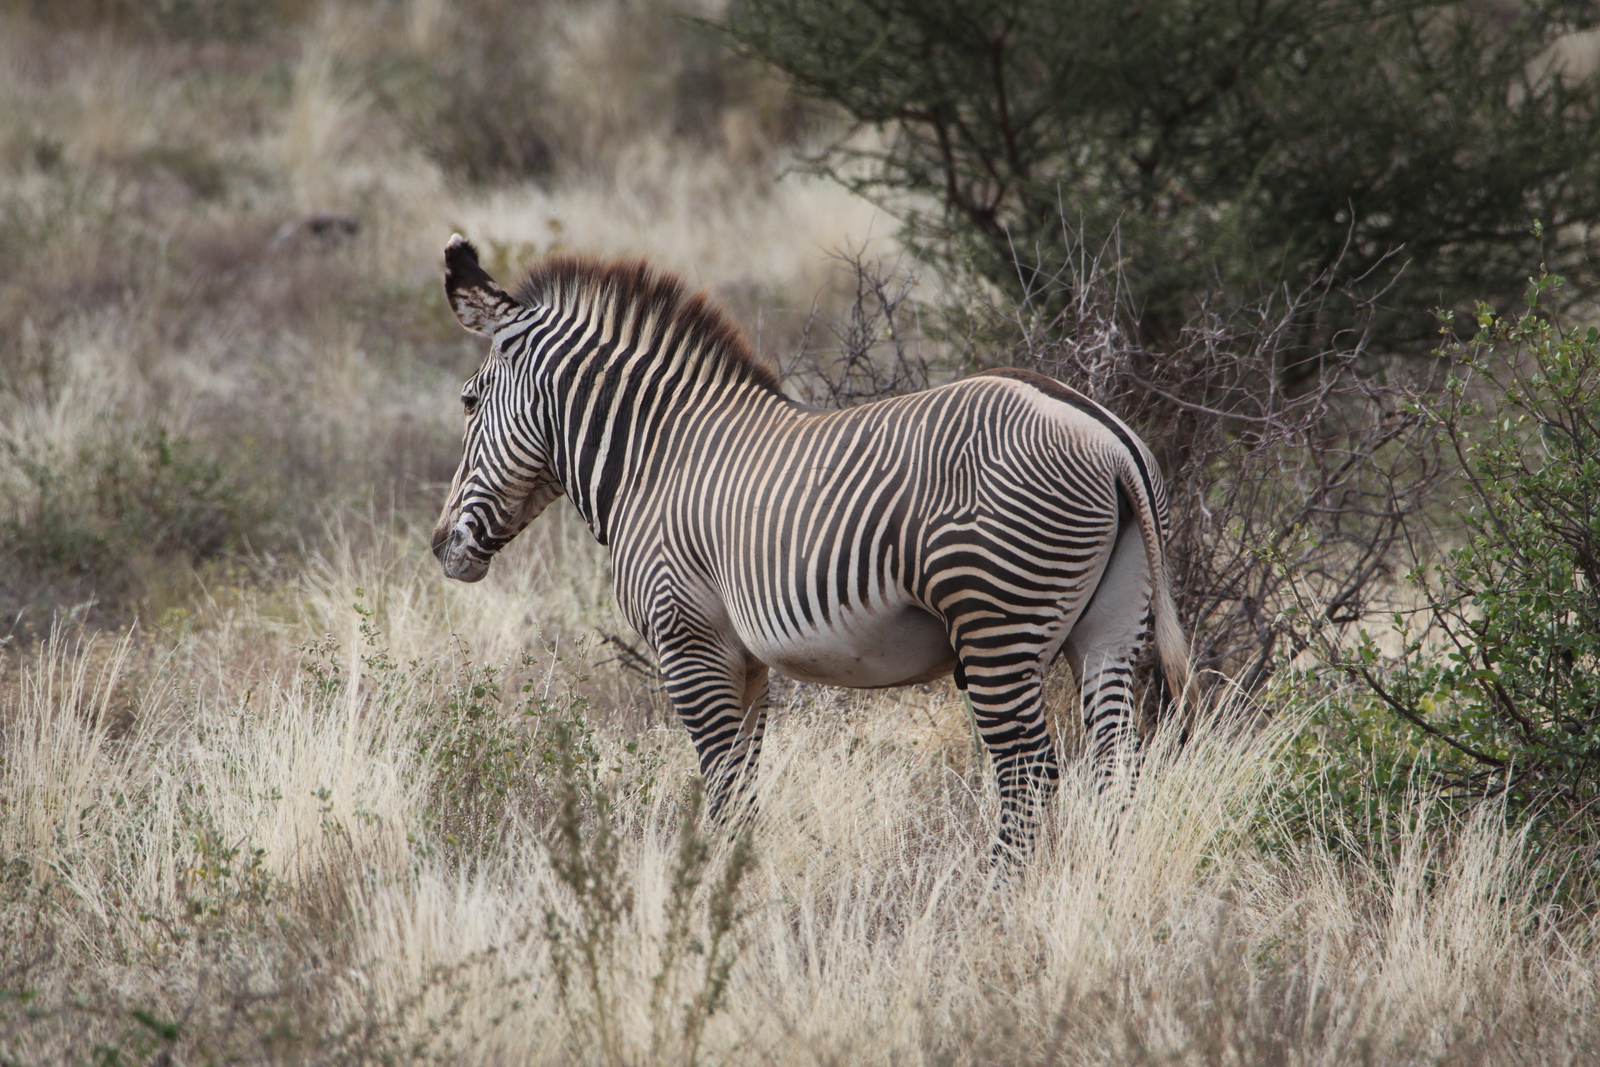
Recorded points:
623,422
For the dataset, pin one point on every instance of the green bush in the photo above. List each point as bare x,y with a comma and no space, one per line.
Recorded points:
1494,678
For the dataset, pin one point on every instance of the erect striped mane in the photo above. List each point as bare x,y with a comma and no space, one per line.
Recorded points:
657,297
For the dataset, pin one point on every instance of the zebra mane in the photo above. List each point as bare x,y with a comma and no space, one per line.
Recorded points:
659,297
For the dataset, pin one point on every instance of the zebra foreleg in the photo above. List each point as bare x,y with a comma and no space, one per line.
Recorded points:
734,802
721,698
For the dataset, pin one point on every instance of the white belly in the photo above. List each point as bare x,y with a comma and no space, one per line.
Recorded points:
898,646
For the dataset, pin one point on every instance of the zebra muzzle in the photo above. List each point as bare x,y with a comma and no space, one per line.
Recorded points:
454,549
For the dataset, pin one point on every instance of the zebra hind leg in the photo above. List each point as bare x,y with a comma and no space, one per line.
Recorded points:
1009,713
1103,648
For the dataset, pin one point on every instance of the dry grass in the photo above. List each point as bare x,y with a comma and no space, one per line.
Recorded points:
213,851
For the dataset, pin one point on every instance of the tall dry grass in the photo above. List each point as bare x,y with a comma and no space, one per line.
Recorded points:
231,843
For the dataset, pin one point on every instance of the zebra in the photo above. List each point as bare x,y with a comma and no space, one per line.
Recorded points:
978,528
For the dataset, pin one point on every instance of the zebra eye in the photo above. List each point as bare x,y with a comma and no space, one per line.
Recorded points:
469,401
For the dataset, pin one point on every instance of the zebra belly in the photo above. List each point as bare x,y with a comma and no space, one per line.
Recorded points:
866,651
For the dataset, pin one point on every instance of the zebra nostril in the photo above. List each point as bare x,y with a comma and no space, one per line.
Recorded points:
460,557
448,540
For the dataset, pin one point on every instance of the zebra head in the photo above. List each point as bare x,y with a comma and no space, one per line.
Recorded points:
504,480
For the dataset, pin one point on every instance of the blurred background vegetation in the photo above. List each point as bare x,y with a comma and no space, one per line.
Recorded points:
219,227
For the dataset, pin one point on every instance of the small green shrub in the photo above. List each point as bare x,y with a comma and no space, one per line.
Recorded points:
488,748
482,751
588,855
485,751
1495,688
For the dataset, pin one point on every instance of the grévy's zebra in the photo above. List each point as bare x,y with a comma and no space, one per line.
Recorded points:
980,527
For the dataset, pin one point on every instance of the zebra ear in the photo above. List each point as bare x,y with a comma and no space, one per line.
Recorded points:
479,303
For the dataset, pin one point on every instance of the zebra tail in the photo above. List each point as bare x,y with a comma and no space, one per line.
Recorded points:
1171,645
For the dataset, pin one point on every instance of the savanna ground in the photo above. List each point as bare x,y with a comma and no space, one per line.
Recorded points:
272,790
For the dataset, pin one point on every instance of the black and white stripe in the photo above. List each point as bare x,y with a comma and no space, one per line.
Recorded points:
981,527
